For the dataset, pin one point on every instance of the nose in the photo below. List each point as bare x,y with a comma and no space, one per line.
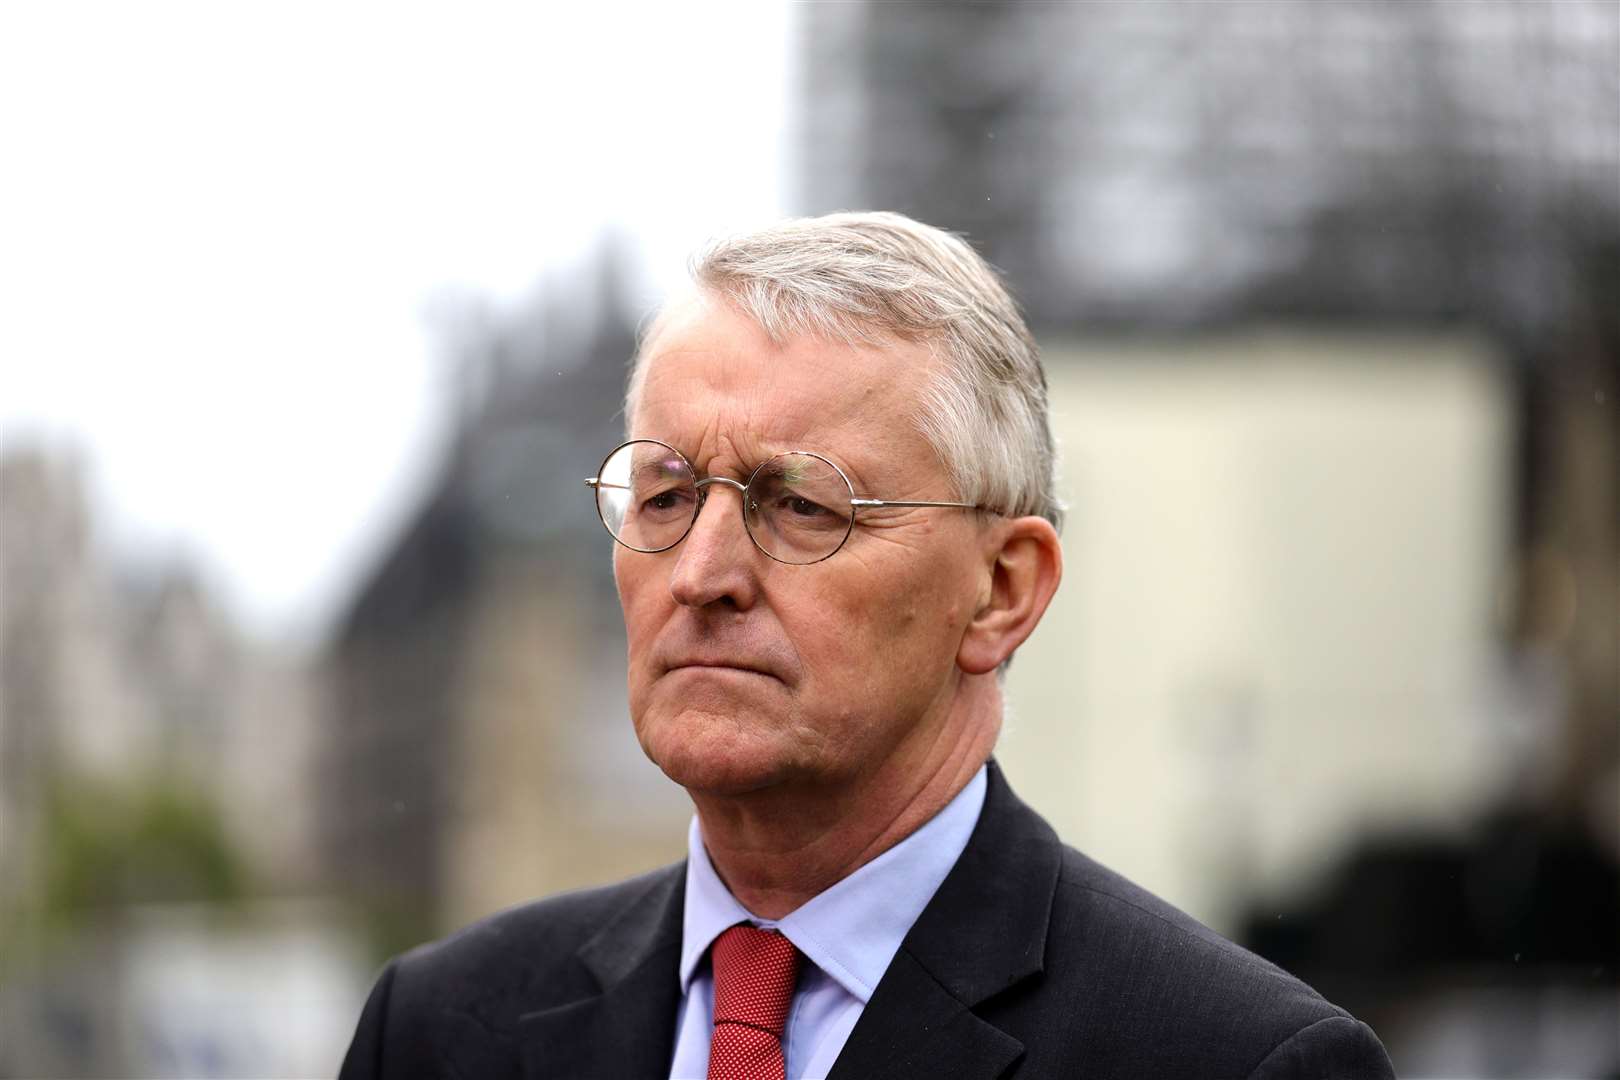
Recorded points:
717,562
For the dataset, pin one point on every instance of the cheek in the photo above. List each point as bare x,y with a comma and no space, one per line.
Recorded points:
643,614
893,630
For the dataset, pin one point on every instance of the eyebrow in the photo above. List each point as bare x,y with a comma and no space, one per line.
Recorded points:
747,470
664,465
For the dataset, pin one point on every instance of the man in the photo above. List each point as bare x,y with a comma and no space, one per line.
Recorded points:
834,524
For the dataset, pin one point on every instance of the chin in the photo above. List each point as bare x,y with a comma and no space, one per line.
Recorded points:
718,753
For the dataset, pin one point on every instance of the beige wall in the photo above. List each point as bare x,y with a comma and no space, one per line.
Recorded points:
1276,620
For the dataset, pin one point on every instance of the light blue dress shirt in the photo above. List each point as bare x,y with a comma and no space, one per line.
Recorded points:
848,934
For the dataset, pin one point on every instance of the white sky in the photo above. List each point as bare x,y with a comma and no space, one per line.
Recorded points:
220,226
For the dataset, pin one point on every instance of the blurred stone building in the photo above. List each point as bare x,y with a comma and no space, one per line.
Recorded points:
153,762
117,670
479,749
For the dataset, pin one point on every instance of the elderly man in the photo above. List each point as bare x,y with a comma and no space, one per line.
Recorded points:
834,524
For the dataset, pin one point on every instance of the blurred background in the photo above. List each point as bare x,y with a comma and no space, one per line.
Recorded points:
313,317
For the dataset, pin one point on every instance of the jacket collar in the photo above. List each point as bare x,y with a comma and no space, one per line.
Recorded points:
983,933
629,1028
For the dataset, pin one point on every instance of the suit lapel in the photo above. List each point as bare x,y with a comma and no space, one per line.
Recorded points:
983,933
628,1029
914,1027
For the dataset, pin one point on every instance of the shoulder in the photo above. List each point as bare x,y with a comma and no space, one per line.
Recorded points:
530,953
1105,914
471,988
1175,985
538,931
1095,976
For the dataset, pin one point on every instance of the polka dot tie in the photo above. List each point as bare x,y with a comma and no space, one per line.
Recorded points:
754,973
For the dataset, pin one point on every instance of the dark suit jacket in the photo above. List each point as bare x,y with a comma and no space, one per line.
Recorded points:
1030,961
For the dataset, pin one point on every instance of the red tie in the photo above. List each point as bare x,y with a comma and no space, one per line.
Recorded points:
754,973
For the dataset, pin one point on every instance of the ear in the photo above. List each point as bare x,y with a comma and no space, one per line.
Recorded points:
1025,562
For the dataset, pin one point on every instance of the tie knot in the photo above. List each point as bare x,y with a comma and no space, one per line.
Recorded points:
754,974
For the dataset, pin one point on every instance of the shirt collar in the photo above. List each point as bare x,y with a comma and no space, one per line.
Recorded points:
851,930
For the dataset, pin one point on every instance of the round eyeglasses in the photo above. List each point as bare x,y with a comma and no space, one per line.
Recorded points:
798,507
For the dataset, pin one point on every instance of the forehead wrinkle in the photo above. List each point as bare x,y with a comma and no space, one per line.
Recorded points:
714,396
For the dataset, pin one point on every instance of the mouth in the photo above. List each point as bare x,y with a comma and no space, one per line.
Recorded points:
715,666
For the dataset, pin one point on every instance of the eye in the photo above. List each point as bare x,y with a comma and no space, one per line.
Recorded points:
668,503
800,506
664,500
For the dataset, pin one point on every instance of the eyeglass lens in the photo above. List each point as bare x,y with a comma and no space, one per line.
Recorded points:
797,507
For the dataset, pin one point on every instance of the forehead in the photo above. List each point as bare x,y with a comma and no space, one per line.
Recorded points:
715,384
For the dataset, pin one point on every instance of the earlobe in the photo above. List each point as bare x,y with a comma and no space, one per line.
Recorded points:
1025,564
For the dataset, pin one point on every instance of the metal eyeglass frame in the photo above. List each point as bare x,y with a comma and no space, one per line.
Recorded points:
856,504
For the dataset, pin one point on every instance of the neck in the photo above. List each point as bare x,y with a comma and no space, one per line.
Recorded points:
778,847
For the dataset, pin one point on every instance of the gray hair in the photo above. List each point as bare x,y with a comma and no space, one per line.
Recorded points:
859,278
